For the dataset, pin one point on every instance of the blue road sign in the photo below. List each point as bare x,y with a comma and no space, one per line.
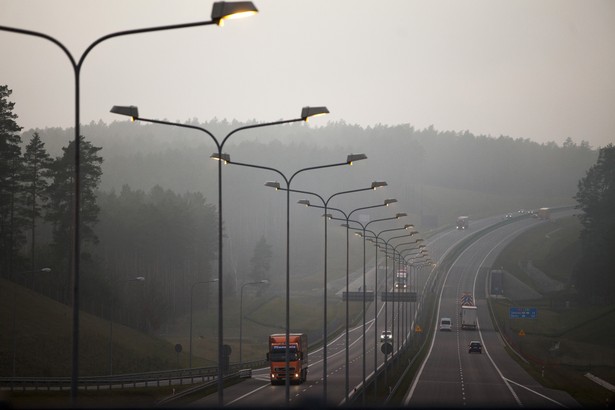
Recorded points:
523,313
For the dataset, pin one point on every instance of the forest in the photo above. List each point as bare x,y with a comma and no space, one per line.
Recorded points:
149,204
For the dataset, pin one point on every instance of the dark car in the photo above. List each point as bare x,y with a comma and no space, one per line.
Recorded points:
475,347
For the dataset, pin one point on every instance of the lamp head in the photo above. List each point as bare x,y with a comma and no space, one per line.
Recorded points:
378,184
328,216
355,157
46,270
128,110
264,281
304,202
140,278
307,112
389,201
400,215
221,157
273,184
223,10
408,226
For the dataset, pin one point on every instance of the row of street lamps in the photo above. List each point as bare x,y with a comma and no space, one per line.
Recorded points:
220,12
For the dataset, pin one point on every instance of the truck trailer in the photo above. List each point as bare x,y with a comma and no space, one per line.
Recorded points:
463,222
468,311
297,358
468,317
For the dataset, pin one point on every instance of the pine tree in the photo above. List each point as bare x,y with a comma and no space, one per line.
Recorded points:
261,260
61,193
35,174
594,273
11,237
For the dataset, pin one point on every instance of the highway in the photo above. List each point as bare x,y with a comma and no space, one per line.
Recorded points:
449,376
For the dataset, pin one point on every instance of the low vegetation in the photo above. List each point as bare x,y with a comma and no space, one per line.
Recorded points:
570,337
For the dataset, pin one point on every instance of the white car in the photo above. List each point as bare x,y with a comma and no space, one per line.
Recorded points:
446,324
386,336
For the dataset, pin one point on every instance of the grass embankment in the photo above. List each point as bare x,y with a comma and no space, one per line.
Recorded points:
568,338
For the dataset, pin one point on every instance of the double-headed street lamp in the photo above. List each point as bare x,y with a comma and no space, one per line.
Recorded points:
136,279
347,217
350,159
220,12
362,234
133,112
325,202
375,239
260,282
190,337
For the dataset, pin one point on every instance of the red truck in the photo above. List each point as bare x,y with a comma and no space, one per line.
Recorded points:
297,358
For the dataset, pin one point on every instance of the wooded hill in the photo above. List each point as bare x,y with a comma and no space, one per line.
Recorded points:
158,199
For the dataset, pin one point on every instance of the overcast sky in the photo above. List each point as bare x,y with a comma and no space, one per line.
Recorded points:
536,69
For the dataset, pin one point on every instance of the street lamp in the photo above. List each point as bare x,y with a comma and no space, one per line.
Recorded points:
220,12
241,314
137,279
14,314
325,202
190,337
350,159
363,235
133,112
347,216
375,240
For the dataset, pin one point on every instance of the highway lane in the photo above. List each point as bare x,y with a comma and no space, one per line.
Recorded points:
450,376
258,392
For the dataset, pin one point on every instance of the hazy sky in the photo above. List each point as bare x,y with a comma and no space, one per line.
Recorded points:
537,69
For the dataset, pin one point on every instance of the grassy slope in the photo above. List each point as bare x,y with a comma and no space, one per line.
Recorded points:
584,333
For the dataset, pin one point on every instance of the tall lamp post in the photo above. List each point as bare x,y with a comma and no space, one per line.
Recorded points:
260,282
387,255
347,217
350,159
220,12
137,279
362,234
14,318
133,112
376,238
190,337
325,202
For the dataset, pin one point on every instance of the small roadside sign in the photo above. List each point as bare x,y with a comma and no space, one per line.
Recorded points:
521,332
523,313
418,329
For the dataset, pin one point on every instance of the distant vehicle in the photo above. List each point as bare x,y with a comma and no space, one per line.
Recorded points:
475,347
401,279
508,216
386,336
446,324
297,358
463,222
544,213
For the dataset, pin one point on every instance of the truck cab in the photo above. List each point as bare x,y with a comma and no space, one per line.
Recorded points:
297,358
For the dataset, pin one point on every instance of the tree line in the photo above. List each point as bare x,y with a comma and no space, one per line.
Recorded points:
167,238
594,273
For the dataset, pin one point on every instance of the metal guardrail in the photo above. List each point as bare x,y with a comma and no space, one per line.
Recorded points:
123,381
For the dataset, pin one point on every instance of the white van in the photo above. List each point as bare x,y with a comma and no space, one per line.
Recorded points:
446,324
